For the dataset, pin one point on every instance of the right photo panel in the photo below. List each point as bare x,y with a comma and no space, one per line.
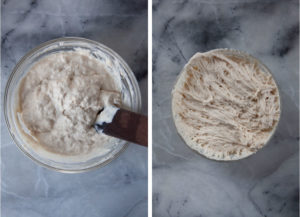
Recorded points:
225,108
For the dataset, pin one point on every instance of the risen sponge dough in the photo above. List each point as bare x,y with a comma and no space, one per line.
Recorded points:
225,105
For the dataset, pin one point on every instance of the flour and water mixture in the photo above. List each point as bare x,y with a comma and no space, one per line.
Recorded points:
59,99
224,105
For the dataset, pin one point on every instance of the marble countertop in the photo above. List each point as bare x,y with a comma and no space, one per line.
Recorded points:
187,184
118,189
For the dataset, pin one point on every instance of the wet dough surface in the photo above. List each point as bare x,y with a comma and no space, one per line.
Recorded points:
224,106
59,99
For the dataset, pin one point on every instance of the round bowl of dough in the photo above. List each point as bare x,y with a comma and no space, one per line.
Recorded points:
225,104
52,99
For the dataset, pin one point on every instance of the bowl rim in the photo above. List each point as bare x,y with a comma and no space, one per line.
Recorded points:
52,42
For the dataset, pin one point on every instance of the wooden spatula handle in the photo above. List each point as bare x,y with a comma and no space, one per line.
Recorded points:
129,126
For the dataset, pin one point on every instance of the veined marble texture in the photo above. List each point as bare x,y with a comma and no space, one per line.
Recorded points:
118,189
186,184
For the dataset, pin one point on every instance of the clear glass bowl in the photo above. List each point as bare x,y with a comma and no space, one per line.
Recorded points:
104,54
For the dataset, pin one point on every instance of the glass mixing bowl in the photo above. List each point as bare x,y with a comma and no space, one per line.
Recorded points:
109,58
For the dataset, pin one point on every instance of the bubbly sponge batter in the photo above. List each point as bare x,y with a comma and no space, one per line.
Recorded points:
59,99
224,106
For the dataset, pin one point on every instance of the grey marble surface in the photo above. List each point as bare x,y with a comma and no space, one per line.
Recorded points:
118,189
187,184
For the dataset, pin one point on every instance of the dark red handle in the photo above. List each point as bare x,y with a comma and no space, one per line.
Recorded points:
129,126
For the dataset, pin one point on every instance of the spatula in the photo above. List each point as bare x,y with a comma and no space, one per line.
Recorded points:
123,124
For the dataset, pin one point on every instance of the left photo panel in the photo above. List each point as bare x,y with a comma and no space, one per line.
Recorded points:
74,120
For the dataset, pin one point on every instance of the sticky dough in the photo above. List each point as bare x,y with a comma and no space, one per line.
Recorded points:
59,99
224,106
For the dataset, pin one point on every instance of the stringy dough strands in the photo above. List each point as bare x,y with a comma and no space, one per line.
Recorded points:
224,105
